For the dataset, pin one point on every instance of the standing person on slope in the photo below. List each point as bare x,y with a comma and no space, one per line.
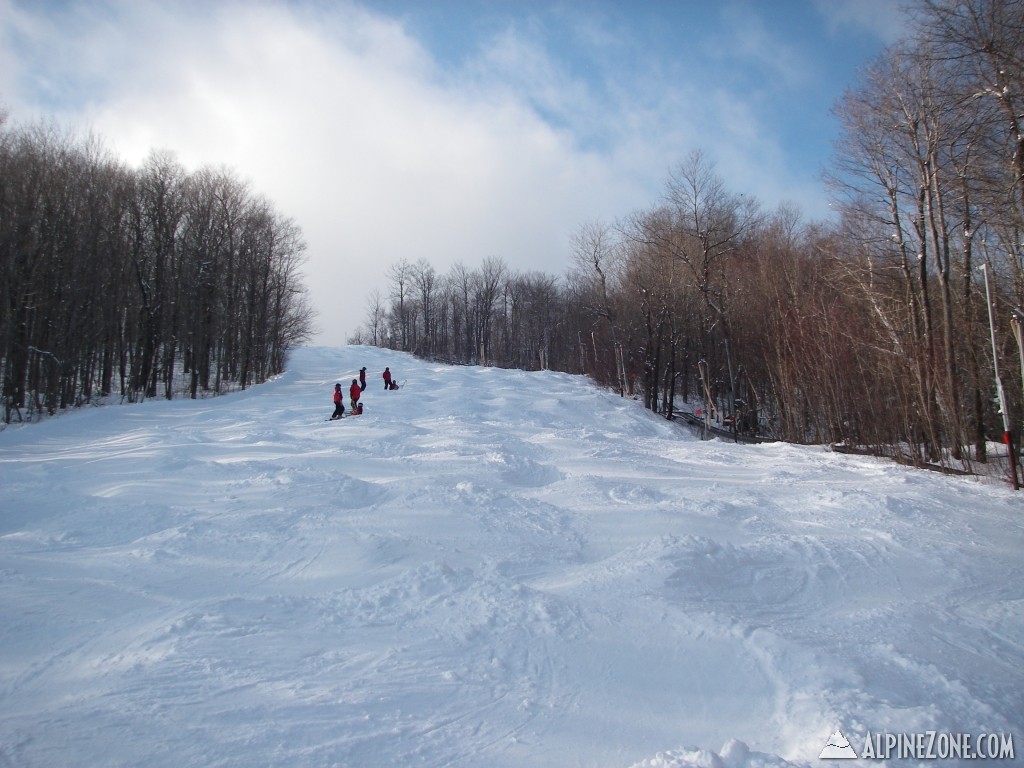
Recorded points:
339,404
353,392
362,378
387,378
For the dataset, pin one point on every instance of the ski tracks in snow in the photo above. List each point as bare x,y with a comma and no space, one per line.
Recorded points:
488,567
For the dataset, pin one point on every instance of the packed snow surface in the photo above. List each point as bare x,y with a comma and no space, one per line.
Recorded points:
487,568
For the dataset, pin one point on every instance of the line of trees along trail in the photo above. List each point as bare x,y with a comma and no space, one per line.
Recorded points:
136,283
871,330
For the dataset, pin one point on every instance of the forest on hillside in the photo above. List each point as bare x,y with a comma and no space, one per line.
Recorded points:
136,283
895,328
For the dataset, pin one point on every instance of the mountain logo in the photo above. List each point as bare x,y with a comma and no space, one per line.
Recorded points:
837,748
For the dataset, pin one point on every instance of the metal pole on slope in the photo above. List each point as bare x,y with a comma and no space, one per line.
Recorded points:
1007,434
731,402
702,366
1016,320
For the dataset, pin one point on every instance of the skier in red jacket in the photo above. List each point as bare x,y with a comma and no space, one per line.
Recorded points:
387,378
353,392
339,405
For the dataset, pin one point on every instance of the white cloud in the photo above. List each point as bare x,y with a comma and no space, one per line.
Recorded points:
340,119
350,126
883,19
745,36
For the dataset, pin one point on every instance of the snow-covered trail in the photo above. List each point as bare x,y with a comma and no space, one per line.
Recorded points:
488,568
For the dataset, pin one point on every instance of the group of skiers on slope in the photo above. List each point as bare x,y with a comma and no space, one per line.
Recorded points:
355,390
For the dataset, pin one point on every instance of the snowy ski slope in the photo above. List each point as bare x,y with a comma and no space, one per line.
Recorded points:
488,568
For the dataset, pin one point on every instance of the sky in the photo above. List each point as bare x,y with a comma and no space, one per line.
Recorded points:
451,130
